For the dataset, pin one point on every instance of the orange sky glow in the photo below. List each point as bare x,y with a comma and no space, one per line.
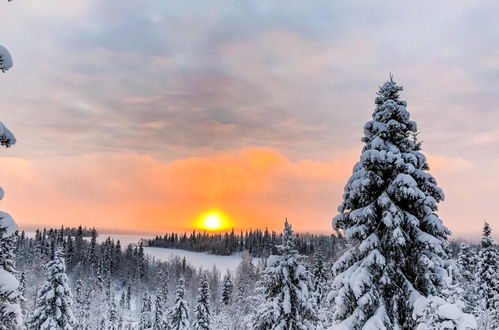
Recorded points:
253,188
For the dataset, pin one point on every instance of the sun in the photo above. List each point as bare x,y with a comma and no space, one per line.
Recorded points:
212,220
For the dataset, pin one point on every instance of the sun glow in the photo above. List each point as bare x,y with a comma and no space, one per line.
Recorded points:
212,220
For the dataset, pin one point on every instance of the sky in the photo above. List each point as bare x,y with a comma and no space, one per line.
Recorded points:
141,115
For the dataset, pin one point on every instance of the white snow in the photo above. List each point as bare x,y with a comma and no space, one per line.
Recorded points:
196,259
7,281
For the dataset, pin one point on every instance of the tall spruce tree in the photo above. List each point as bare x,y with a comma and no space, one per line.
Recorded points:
397,241
178,317
54,304
202,313
10,310
287,290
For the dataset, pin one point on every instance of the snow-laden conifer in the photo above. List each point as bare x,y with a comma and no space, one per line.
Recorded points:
145,321
10,310
468,263
287,290
54,304
487,282
227,289
178,317
397,241
202,312
113,316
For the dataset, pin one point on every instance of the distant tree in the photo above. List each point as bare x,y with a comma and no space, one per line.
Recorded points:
487,283
202,312
287,290
227,289
113,316
178,317
468,263
146,312
159,322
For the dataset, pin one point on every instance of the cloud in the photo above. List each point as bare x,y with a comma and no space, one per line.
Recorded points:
125,191
159,82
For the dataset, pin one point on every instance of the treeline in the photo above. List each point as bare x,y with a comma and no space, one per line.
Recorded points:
259,243
115,287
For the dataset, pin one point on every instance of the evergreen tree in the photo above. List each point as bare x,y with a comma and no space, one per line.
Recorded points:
54,303
245,276
178,317
397,241
146,312
80,306
319,278
286,287
10,310
159,318
113,316
487,283
468,263
227,289
202,313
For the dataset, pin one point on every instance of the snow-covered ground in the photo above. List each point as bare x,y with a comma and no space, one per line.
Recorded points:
196,259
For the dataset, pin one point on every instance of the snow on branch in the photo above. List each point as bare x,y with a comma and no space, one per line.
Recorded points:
7,139
5,59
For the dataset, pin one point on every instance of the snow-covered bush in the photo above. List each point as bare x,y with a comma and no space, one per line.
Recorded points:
434,313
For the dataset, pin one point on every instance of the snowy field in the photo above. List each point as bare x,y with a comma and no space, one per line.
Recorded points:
196,259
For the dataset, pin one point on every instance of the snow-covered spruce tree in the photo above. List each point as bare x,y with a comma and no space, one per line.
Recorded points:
113,316
54,304
319,278
10,310
468,262
146,312
287,290
227,289
487,282
158,322
178,317
321,287
397,242
202,312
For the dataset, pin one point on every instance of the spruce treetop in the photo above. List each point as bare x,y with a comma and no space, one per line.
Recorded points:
486,239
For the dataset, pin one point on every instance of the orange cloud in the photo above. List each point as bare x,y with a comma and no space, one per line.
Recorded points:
254,187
